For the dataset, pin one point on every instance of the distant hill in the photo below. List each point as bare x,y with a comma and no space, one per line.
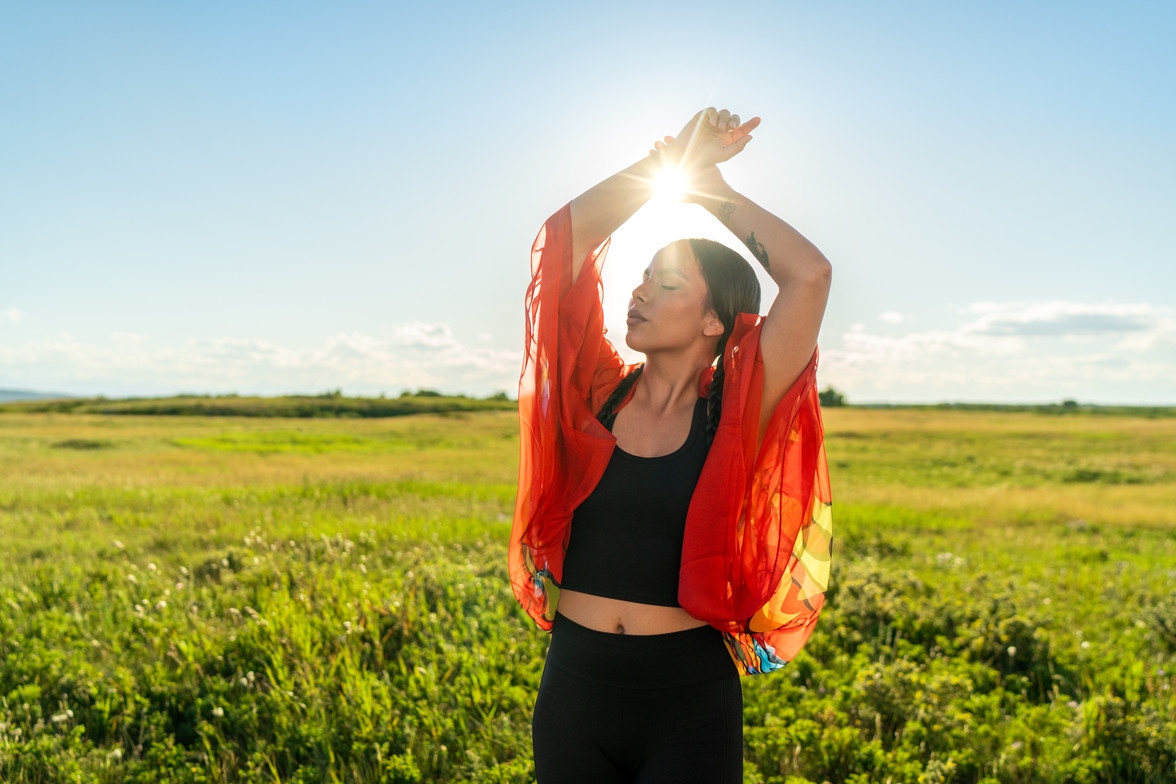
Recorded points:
9,395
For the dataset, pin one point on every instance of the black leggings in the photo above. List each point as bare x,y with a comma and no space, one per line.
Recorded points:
638,708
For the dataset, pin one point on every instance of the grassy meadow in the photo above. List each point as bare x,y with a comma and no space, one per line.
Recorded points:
228,599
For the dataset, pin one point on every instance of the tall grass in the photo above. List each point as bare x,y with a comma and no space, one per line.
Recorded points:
220,600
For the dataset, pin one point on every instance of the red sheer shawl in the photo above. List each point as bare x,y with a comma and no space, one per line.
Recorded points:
755,557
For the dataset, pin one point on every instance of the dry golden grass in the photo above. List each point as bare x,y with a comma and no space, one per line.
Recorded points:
1006,468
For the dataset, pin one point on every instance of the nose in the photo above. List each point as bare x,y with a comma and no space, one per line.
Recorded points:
639,294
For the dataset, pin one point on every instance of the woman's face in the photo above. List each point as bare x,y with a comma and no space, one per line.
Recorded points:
669,309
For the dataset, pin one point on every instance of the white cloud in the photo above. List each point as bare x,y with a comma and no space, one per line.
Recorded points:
1015,351
1062,319
412,355
892,317
14,315
421,335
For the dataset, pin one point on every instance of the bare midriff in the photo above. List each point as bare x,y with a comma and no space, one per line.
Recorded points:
617,616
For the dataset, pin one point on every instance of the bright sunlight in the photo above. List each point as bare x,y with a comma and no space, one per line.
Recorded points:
670,184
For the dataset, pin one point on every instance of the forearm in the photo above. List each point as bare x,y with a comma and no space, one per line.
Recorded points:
783,252
603,208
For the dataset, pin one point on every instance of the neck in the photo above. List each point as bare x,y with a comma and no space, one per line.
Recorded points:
670,380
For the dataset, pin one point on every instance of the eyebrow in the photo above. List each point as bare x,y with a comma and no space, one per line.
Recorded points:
667,271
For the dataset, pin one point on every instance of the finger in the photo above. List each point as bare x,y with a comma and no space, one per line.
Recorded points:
734,148
733,122
721,119
746,128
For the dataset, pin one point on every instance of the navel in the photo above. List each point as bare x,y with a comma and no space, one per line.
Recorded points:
620,629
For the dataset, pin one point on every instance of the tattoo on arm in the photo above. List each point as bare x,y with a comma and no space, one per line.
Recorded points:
757,250
725,210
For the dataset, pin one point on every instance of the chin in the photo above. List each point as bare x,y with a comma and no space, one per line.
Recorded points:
634,342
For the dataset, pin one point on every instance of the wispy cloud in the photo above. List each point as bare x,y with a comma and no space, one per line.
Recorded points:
13,315
1062,319
1015,351
996,351
411,355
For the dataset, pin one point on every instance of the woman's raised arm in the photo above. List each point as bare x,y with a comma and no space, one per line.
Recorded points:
798,268
803,275
603,208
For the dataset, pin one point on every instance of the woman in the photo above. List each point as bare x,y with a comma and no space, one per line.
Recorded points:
676,511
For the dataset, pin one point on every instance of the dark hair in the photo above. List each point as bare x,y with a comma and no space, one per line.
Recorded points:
732,288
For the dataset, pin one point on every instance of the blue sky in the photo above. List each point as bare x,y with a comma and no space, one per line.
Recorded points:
282,197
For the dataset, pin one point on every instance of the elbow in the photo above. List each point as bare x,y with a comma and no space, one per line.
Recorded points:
818,272
824,270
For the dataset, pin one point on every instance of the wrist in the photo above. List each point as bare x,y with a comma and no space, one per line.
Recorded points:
716,197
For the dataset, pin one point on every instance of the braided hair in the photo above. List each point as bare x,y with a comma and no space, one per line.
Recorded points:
732,288
608,412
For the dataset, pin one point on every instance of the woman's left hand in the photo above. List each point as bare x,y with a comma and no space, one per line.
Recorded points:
711,137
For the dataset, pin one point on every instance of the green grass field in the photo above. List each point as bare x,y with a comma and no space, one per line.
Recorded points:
204,599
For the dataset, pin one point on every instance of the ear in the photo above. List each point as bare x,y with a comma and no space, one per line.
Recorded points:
713,326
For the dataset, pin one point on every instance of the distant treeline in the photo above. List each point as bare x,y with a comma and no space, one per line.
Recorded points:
831,398
327,405
1065,408
426,401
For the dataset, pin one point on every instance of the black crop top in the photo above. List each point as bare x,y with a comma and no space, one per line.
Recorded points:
626,537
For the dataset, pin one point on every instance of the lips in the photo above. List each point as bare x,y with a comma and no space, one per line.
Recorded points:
635,317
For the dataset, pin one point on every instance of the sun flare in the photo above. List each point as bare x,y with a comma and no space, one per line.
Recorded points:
670,184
